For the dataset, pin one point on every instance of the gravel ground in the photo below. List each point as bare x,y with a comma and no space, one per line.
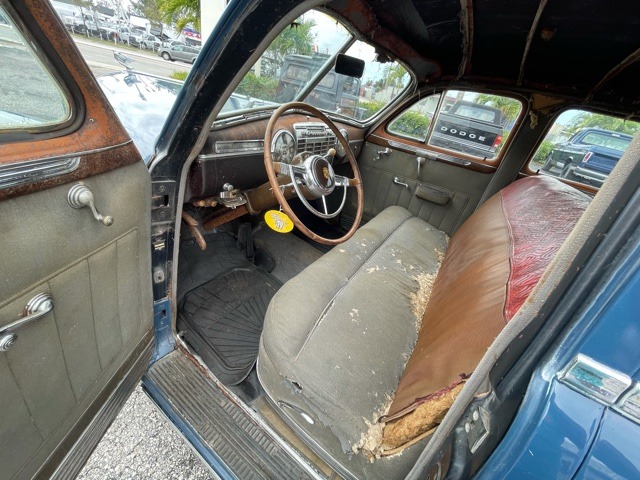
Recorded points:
140,444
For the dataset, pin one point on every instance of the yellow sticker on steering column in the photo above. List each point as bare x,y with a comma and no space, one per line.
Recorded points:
278,221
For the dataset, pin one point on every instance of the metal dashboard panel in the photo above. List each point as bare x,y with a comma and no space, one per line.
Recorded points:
234,155
209,172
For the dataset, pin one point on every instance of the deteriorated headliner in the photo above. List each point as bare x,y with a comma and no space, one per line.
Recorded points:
587,49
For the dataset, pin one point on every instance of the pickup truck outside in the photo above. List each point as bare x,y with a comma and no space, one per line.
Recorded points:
469,127
588,156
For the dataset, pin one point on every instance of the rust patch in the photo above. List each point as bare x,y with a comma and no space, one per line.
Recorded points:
90,164
223,215
98,132
362,17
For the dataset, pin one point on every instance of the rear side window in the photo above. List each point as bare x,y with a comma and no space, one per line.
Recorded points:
583,146
476,124
415,121
471,123
30,98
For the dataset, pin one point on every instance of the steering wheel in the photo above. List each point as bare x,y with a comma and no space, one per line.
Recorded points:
313,176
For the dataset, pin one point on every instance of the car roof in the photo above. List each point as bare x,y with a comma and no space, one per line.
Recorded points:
602,130
584,49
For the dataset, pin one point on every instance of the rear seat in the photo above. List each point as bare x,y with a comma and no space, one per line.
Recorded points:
337,337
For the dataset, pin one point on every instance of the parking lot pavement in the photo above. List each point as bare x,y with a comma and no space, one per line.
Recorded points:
141,444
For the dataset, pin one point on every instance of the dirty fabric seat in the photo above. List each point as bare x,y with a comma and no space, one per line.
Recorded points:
338,340
363,296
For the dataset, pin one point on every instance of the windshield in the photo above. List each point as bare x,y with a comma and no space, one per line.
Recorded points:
303,55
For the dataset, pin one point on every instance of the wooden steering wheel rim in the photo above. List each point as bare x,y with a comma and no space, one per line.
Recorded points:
273,180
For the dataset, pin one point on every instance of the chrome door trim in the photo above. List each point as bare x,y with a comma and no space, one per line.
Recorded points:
629,404
594,380
36,170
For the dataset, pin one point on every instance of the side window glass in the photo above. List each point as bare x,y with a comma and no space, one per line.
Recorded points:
30,97
414,122
583,146
473,123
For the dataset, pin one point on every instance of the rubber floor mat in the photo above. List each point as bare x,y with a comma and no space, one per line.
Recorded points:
223,318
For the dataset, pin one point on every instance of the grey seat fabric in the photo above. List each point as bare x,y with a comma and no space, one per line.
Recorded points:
337,337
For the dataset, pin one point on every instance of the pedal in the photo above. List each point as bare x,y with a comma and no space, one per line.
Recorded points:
194,228
245,240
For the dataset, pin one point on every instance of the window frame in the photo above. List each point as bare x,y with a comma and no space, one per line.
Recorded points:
228,117
40,47
424,145
585,187
395,117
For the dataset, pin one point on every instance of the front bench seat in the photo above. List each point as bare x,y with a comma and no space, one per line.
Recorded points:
337,337
349,318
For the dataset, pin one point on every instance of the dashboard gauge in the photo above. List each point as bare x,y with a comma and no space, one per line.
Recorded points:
283,146
339,147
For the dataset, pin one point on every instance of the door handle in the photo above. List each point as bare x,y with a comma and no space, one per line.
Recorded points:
36,308
397,181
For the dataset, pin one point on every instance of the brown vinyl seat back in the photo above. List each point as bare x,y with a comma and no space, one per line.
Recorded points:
491,266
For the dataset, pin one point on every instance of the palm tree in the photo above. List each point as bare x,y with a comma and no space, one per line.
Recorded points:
181,12
510,107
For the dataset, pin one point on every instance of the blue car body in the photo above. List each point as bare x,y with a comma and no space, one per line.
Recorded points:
566,431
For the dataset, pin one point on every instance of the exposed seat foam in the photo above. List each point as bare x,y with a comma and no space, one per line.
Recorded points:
337,337
349,319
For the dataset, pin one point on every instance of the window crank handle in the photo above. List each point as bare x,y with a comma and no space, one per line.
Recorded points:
397,181
81,196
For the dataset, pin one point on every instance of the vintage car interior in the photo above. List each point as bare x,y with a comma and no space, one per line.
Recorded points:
343,291
407,260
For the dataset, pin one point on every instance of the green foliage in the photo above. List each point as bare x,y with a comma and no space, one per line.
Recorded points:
411,123
368,108
509,107
179,75
147,8
606,122
181,12
297,38
542,153
263,88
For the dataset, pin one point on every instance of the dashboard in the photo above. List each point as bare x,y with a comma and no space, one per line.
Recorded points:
233,155
312,137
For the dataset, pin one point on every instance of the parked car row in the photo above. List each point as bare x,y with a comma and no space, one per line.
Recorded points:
133,36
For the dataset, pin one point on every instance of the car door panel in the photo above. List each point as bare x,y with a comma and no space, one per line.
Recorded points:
443,194
91,348
99,287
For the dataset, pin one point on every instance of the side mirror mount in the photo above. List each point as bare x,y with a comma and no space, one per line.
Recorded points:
350,66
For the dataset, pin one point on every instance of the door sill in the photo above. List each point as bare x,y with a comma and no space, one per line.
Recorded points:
228,435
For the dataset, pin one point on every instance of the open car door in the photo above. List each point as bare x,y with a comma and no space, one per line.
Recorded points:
76,316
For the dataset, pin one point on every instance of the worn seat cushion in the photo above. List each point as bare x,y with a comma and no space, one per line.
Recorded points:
337,336
493,263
